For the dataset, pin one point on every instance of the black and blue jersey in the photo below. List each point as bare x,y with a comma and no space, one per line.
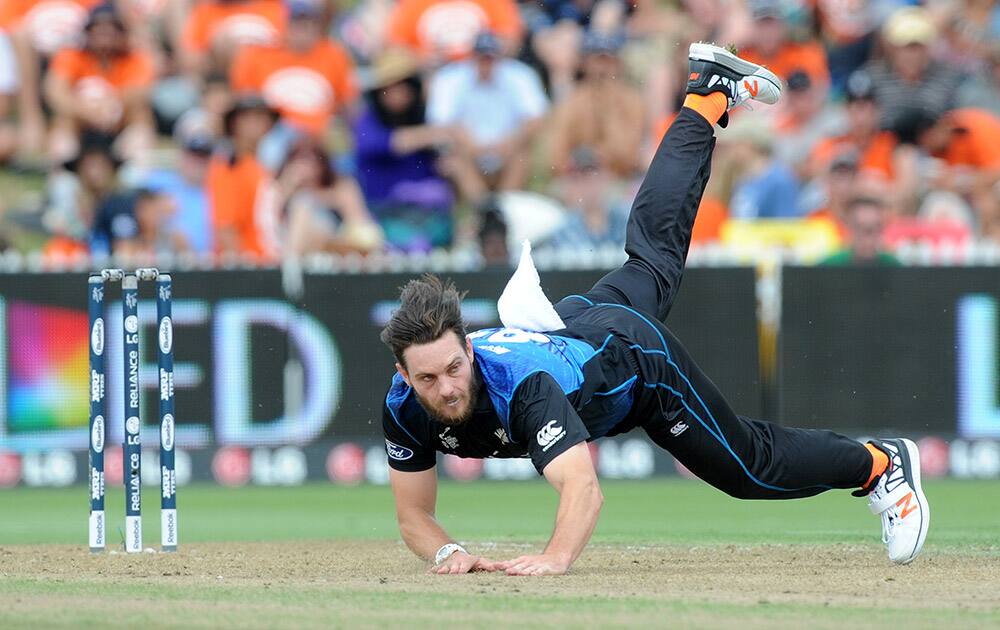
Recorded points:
541,394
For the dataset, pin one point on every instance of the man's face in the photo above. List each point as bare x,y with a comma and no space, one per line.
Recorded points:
442,376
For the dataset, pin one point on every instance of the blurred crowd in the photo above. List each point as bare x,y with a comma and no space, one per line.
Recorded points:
261,129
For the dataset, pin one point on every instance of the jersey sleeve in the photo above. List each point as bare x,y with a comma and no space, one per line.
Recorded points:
403,451
543,420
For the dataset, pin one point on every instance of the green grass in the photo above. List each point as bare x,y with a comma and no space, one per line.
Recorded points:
642,512
666,553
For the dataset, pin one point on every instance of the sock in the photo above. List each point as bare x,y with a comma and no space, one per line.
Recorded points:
880,461
711,107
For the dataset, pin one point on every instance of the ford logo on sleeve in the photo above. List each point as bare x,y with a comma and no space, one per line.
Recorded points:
397,452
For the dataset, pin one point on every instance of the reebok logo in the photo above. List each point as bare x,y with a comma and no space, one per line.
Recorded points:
549,435
678,428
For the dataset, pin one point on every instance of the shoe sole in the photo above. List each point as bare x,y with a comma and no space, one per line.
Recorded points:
910,457
718,54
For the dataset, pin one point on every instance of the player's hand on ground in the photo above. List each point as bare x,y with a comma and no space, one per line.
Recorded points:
534,565
460,562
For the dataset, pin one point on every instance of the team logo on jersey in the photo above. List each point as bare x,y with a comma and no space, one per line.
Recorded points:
678,428
449,441
502,436
549,435
397,452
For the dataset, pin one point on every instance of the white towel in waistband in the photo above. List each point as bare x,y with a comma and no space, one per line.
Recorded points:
522,304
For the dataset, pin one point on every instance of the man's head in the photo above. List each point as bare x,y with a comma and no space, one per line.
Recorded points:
305,25
862,107
908,34
770,28
865,221
104,32
599,52
433,355
486,50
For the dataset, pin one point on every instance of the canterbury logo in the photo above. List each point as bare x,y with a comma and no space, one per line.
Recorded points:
753,89
905,504
549,435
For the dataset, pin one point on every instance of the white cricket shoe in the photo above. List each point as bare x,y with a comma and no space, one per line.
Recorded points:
899,500
712,68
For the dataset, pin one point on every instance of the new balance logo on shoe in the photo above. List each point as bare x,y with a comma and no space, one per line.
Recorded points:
907,508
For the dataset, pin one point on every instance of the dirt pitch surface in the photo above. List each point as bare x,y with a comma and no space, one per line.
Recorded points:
350,584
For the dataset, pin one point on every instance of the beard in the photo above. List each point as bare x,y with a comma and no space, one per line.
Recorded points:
475,386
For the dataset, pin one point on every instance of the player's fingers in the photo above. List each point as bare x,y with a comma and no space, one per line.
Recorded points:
455,568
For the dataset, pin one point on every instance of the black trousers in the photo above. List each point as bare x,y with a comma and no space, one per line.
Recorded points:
688,416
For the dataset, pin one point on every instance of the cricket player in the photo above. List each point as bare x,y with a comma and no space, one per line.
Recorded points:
613,366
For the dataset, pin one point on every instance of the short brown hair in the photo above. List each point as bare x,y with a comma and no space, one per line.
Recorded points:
429,308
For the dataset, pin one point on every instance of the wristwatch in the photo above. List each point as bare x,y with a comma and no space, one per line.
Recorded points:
445,552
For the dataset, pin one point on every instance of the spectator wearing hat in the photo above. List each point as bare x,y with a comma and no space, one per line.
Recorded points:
445,30
861,134
769,43
216,29
499,102
102,87
908,77
865,220
241,191
184,187
307,78
596,139
397,157
38,30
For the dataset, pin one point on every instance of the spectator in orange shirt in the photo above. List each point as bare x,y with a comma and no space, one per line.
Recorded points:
862,134
38,30
103,88
241,192
966,146
771,45
306,79
445,30
216,29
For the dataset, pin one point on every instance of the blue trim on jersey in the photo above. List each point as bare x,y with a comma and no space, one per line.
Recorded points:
579,297
720,437
725,444
621,387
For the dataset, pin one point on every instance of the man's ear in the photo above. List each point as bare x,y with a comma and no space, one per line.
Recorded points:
468,349
402,372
